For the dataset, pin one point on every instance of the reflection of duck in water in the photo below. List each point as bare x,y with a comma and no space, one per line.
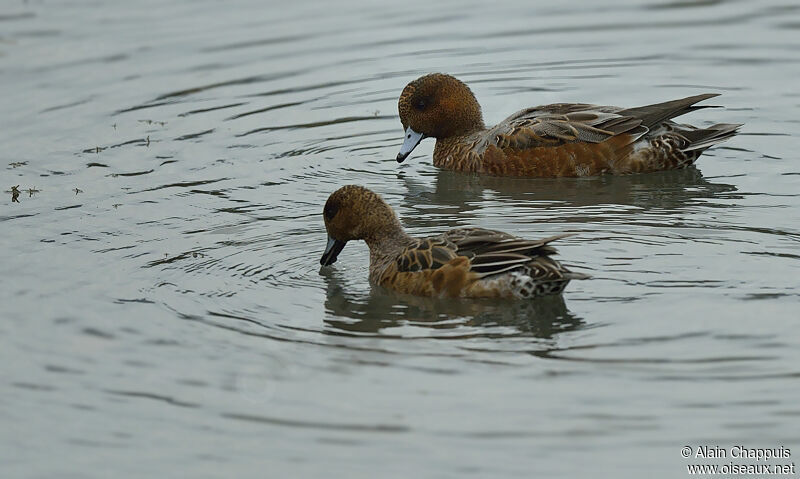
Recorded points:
551,141
456,194
382,309
464,262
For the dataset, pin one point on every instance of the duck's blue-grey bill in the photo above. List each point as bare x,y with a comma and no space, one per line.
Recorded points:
332,251
411,141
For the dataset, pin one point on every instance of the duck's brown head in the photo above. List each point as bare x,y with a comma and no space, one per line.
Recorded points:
436,105
355,213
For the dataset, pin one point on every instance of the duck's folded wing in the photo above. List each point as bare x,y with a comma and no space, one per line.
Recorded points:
560,123
489,252
555,125
429,253
494,252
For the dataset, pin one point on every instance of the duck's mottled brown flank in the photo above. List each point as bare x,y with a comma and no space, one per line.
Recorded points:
464,262
558,140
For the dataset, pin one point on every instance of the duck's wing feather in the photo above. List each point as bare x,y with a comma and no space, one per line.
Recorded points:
493,252
555,125
489,252
560,123
427,253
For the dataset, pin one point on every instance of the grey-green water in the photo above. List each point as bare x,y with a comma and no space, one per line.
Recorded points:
169,317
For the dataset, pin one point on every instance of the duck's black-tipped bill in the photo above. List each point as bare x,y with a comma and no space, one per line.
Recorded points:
332,251
411,141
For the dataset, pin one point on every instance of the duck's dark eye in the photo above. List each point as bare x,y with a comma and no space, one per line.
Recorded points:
421,104
331,208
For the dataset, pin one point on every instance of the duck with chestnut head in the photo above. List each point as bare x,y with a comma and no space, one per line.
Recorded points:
462,262
557,140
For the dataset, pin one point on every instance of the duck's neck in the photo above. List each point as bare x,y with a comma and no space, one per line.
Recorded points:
461,153
385,245
388,238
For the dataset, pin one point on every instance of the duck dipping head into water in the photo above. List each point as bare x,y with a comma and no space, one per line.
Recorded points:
562,139
463,262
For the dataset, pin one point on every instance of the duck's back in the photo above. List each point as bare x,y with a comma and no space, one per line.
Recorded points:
478,263
575,139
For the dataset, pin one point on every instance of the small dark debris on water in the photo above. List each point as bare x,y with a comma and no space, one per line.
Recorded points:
77,190
148,140
115,205
95,149
15,194
153,122
179,257
31,191
114,125
17,164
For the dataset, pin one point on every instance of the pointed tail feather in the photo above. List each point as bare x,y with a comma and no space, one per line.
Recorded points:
702,138
573,275
653,115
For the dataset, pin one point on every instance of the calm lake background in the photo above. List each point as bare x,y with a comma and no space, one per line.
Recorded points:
163,309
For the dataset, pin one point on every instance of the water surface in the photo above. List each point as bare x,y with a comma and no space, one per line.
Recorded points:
163,309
